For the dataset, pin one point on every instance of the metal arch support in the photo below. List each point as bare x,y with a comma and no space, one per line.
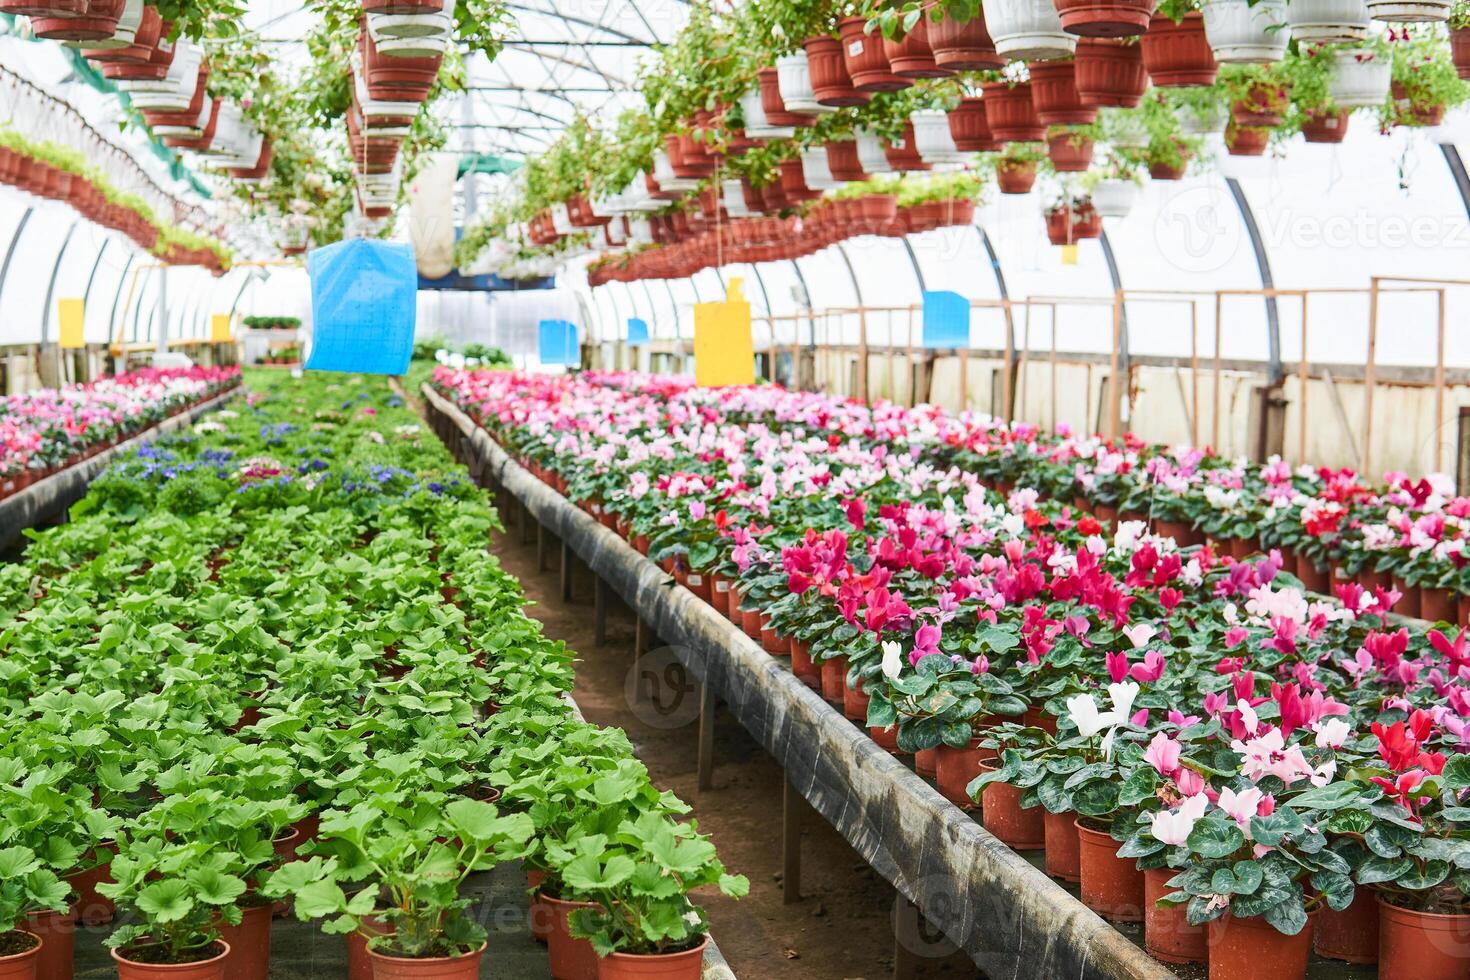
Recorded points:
122,281
857,290
10,252
1111,261
1002,290
92,276
1274,373
51,283
1457,170
240,292
805,289
914,260
761,282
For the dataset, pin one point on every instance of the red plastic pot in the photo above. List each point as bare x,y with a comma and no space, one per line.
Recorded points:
1421,945
210,969
963,45
58,933
1246,141
1105,18
1460,50
865,59
402,6
1263,105
571,959
1014,177
1011,113
834,679
1252,949
1325,127
904,154
1408,604
466,966
1022,828
1178,55
1163,171
1069,153
1111,886
537,908
1063,856
842,160
1054,94
886,739
1167,934
1313,577
668,966
969,127
955,768
249,957
910,56
855,702
926,763
92,907
22,965
831,84
1110,73
97,22
774,105
802,666
1350,935
1438,605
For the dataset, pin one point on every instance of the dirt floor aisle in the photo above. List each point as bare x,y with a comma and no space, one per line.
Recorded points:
842,928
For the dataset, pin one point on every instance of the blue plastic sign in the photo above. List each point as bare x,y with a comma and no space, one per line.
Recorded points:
558,343
363,307
946,320
637,332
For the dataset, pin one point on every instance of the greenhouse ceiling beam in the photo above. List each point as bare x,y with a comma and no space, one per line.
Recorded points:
117,295
1453,160
51,283
1274,373
10,251
914,261
92,277
623,36
857,289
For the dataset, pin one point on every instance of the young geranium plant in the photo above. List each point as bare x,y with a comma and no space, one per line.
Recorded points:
181,892
26,886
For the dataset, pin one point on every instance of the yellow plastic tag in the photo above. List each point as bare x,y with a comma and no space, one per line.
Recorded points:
1069,255
71,314
219,328
724,349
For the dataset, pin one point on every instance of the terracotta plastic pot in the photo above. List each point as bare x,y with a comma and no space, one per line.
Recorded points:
1011,112
359,966
1167,934
830,82
910,56
1350,935
1246,141
1036,717
1015,178
1313,577
669,966
539,911
97,23
1105,18
571,959
1063,857
1325,127
1460,50
1242,548
1022,828
1178,55
250,944
926,763
23,965
1054,94
1111,886
1438,605
56,955
886,739
1252,949
92,907
750,622
969,127
904,155
773,642
1462,611
1110,73
855,702
1408,605
1069,153
963,45
210,969
955,768
867,64
834,679
1421,945
466,966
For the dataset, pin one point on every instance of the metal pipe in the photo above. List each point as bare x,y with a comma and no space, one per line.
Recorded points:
51,283
10,252
1274,372
1124,365
1457,171
914,260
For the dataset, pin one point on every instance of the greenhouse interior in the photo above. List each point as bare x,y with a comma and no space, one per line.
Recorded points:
776,489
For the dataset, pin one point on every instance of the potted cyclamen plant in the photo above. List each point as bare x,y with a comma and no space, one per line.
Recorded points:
26,887
407,858
642,922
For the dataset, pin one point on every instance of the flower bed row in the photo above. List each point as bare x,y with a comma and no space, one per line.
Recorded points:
1247,769
270,661
49,429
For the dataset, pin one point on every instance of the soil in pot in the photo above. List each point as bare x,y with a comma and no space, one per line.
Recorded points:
571,959
1111,886
19,953
465,966
210,966
1350,935
1167,934
1063,857
1022,828
1416,945
1252,949
686,965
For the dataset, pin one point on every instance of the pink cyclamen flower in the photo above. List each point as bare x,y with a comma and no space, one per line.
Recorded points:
1150,670
1241,806
1163,754
1174,826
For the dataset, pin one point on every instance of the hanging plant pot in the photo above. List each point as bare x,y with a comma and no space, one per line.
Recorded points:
1411,12
402,6
1054,93
1411,113
932,137
1252,949
1264,105
1028,30
793,183
1420,944
970,128
843,162
97,22
1015,176
863,54
1327,21
1110,73
1070,223
963,45
1244,33
260,168
183,122
758,123
871,153
1178,55
208,969
1167,934
795,83
814,169
1246,141
55,8
903,154
1460,50
154,67
1114,198
126,31
831,84
437,21
1105,18
138,50
910,56
1069,153
1011,112
1325,127
1358,80
1111,886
